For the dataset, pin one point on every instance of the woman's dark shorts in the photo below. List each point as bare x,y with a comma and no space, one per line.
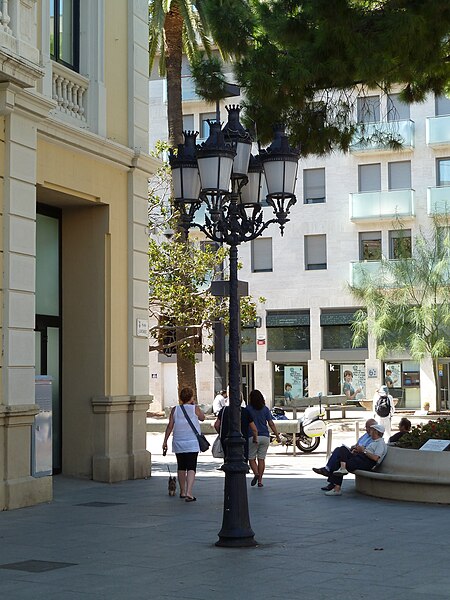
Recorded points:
187,461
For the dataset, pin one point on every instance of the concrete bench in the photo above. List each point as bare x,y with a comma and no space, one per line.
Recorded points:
411,475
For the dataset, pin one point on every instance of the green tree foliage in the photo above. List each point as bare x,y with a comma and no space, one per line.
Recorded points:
408,299
180,276
304,58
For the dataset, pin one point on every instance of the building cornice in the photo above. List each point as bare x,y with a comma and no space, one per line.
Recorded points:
86,142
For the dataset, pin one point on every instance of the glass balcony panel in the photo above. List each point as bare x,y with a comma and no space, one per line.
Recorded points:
438,131
361,269
438,200
381,205
403,131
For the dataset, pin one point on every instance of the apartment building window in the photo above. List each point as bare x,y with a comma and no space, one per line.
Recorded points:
287,330
262,255
337,332
65,32
400,243
370,245
368,108
315,252
188,123
204,125
443,171
442,105
369,178
396,109
399,175
313,186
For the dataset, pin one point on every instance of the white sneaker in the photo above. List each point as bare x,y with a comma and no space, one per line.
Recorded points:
333,492
341,471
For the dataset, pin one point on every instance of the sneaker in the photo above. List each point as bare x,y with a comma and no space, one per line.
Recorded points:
327,488
321,471
333,492
341,471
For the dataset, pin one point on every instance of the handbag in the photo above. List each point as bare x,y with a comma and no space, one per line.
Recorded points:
217,448
202,441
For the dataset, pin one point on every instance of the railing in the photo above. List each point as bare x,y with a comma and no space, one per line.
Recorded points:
381,205
362,270
438,131
4,16
438,200
69,90
376,136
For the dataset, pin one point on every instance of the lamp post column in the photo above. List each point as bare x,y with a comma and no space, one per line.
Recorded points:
236,530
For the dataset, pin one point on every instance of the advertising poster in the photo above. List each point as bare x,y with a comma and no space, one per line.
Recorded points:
294,376
359,378
396,374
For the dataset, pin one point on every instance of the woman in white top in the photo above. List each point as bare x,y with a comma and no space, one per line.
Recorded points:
184,441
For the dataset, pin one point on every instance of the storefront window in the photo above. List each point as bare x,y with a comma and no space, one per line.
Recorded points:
337,333
288,331
336,379
290,382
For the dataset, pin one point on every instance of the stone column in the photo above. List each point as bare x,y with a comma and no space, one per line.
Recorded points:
21,113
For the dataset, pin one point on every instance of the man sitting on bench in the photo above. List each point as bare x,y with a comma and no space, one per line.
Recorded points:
364,459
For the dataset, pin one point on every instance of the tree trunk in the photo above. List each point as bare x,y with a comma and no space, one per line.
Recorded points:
185,366
173,28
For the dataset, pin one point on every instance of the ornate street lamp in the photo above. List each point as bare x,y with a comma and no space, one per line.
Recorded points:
222,175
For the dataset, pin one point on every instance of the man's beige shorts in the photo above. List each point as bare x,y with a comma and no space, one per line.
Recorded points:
258,450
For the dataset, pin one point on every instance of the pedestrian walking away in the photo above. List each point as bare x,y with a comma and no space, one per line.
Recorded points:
184,441
262,418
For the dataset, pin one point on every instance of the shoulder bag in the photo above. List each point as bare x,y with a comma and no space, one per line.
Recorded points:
217,448
202,441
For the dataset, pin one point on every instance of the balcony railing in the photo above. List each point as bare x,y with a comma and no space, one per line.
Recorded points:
69,90
438,200
377,206
438,131
377,135
360,270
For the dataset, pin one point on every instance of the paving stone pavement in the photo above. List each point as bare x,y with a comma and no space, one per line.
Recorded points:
131,541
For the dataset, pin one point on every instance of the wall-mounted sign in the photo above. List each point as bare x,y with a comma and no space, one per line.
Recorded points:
372,373
261,342
154,375
142,328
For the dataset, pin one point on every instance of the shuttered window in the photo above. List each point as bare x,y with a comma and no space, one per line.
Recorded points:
369,177
399,174
313,186
315,252
262,255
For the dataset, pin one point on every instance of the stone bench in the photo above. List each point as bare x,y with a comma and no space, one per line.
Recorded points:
411,475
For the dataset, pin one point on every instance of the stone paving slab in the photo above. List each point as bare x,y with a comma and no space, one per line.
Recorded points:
141,543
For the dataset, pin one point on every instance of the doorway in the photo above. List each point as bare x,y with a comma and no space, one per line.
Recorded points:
48,314
247,379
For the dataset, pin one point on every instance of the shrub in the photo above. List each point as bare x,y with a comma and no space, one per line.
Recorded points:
433,430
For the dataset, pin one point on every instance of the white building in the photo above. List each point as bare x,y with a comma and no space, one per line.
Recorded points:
345,213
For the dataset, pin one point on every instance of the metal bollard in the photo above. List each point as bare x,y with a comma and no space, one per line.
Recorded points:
329,441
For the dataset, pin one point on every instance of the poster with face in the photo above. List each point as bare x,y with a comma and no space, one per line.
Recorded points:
294,376
359,378
393,379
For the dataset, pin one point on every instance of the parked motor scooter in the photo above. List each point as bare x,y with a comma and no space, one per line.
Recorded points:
312,428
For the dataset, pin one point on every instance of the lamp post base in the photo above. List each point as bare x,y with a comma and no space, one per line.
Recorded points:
236,531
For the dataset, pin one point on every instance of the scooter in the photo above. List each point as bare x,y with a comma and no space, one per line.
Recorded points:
312,428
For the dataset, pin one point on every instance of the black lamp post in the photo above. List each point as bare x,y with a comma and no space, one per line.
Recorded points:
222,175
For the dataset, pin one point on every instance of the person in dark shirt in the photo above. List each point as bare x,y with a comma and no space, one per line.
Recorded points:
248,428
404,427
